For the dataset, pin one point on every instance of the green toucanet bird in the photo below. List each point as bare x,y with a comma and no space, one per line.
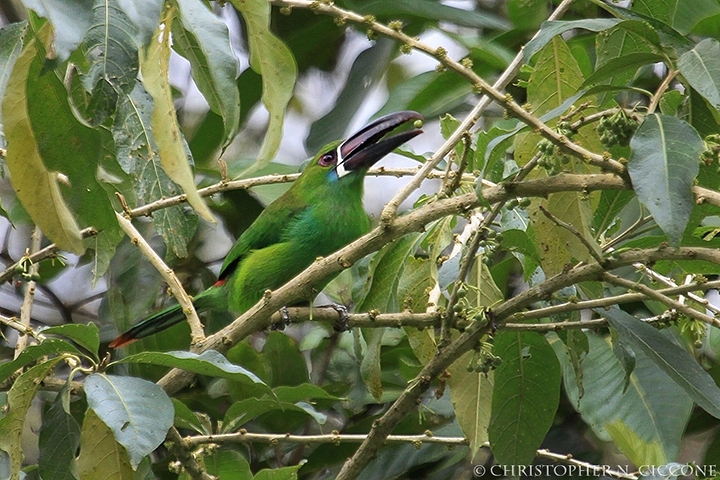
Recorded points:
320,213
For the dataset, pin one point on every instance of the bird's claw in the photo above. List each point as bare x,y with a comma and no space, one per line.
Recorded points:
284,320
342,324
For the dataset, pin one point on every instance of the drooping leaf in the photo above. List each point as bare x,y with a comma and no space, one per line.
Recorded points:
701,68
36,187
173,151
364,74
19,398
430,93
647,421
270,58
11,44
663,166
387,269
138,156
674,360
471,394
59,441
71,148
112,51
138,412
203,39
525,397
101,456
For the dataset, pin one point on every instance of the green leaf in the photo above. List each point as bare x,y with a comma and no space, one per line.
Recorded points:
430,93
59,441
204,40
11,44
366,71
675,361
701,68
174,152
431,10
226,464
628,63
138,412
608,208
112,51
36,187
87,336
145,17
19,399
576,347
273,60
387,269
550,29
527,14
284,473
101,456
138,156
663,166
647,421
70,20
305,391
525,398
520,242
71,147
186,418
50,346
210,362
471,394
246,410
676,12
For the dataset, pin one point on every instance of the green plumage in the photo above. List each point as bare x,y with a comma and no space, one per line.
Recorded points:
320,213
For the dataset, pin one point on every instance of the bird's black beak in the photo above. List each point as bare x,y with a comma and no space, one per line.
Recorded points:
362,149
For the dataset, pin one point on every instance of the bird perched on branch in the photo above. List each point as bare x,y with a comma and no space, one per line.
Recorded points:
320,213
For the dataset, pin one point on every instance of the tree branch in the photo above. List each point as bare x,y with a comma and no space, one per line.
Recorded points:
167,273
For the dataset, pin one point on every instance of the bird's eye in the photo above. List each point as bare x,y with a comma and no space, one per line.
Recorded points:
327,159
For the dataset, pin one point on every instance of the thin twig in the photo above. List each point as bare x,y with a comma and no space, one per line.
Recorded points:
586,243
334,438
583,469
183,299
655,295
655,99
27,305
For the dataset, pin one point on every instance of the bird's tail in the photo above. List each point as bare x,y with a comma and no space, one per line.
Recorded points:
152,324
210,298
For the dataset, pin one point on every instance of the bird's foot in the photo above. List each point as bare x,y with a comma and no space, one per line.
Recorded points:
284,320
342,324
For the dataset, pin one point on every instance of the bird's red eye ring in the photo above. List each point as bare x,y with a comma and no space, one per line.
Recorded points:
327,159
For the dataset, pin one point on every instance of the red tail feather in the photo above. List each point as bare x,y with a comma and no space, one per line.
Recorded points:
122,340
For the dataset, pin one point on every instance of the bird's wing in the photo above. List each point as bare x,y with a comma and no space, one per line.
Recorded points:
266,230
